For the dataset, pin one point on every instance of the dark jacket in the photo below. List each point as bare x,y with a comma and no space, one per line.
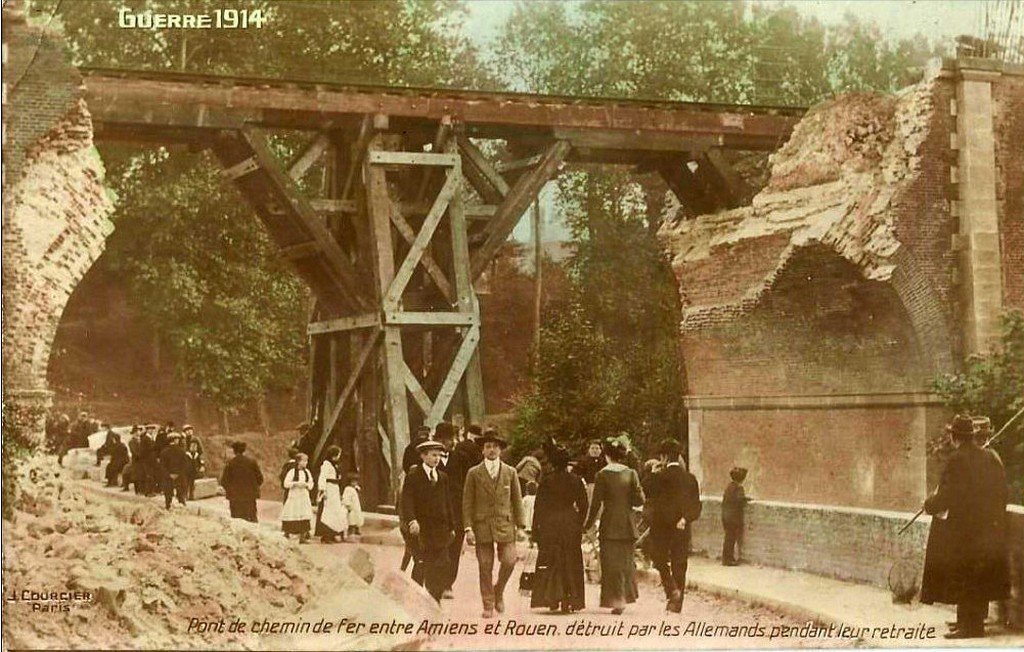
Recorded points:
587,467
429,504
410,456
672,494
971,562
560,508
734,500
117,451
456,469
617,491
470,452
241,479
174,461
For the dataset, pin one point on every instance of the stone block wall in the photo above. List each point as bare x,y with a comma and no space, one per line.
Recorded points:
1008,99
849,544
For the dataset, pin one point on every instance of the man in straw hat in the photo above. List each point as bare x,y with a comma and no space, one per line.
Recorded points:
972,569
426,514
492,512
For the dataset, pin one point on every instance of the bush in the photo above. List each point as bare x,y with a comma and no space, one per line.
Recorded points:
18,423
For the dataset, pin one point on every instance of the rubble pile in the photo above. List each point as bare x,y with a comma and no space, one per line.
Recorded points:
149,571
834,183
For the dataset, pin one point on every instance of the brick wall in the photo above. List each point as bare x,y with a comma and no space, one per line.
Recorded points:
856,545
1008,96
56,209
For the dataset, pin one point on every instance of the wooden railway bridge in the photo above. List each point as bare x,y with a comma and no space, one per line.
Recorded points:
411,211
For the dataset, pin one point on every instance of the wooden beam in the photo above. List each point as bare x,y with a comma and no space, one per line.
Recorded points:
635,140
519,164
444,132
412,158
336,261
308,156
343,324
431,318
451,381
417,391
433,269
740,193
480,172
299,251
350,384
241,169
394,293
519,198
333,205
366,132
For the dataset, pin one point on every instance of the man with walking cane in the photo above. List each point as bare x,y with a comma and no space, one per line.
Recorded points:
966,562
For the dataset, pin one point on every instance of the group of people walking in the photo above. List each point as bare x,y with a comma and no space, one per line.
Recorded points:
463,491
339,512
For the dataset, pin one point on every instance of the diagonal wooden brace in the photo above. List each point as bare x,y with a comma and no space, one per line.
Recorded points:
433,269
369,346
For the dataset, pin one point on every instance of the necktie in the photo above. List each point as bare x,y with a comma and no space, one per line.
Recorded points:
433,477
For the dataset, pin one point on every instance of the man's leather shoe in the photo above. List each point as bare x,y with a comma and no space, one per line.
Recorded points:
488,613
675,603
499,605
960,633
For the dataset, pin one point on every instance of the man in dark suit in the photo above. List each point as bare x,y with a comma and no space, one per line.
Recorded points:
455,466
176,468
241,480
673,502
426,514
974,570
411,456
469,448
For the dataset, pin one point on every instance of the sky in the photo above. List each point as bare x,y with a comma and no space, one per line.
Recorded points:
939,20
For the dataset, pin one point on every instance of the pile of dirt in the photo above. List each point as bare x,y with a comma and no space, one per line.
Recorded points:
149,571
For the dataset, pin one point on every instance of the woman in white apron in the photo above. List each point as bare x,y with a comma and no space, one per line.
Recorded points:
331,521
297,513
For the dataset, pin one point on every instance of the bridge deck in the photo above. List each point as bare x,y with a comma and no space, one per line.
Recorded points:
164,106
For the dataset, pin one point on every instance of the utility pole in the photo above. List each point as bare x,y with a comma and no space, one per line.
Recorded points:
538,276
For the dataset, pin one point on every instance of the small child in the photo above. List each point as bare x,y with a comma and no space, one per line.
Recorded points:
528,501
352,505
734,501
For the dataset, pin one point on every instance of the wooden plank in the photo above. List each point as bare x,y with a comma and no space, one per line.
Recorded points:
519,164
519,198
366,132
343,324
378,204
433,269
299,251
417,391
451,381
444,132
467,303
333,205
308,156
412,158
739,192
241,169
423,238
431,318
476,160
472,211
635,140
357,369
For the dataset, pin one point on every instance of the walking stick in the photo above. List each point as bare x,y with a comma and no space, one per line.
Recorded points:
986,445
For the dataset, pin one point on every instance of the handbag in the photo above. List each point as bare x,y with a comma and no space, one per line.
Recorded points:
528,578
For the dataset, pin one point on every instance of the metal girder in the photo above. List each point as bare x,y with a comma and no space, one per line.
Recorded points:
515,204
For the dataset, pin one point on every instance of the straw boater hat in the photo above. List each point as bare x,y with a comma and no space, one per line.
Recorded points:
429,445
962,426
491,435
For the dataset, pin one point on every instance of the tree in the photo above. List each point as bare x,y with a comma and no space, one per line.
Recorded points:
993,385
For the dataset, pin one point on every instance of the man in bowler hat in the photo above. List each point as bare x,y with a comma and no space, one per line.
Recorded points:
673,503
492,513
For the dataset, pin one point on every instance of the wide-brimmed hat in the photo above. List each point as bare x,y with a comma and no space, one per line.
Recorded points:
962,426
491,435
429,445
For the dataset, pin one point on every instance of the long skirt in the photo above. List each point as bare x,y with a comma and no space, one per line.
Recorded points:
297,512
618,573
558,579
330,516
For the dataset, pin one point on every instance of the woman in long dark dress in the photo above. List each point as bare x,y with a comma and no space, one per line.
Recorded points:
559,511
616,491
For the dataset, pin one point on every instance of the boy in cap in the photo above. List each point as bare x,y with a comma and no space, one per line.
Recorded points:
492,514
734,501
427,516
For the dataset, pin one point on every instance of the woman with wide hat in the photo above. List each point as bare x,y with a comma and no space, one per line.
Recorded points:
616,492
559,512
